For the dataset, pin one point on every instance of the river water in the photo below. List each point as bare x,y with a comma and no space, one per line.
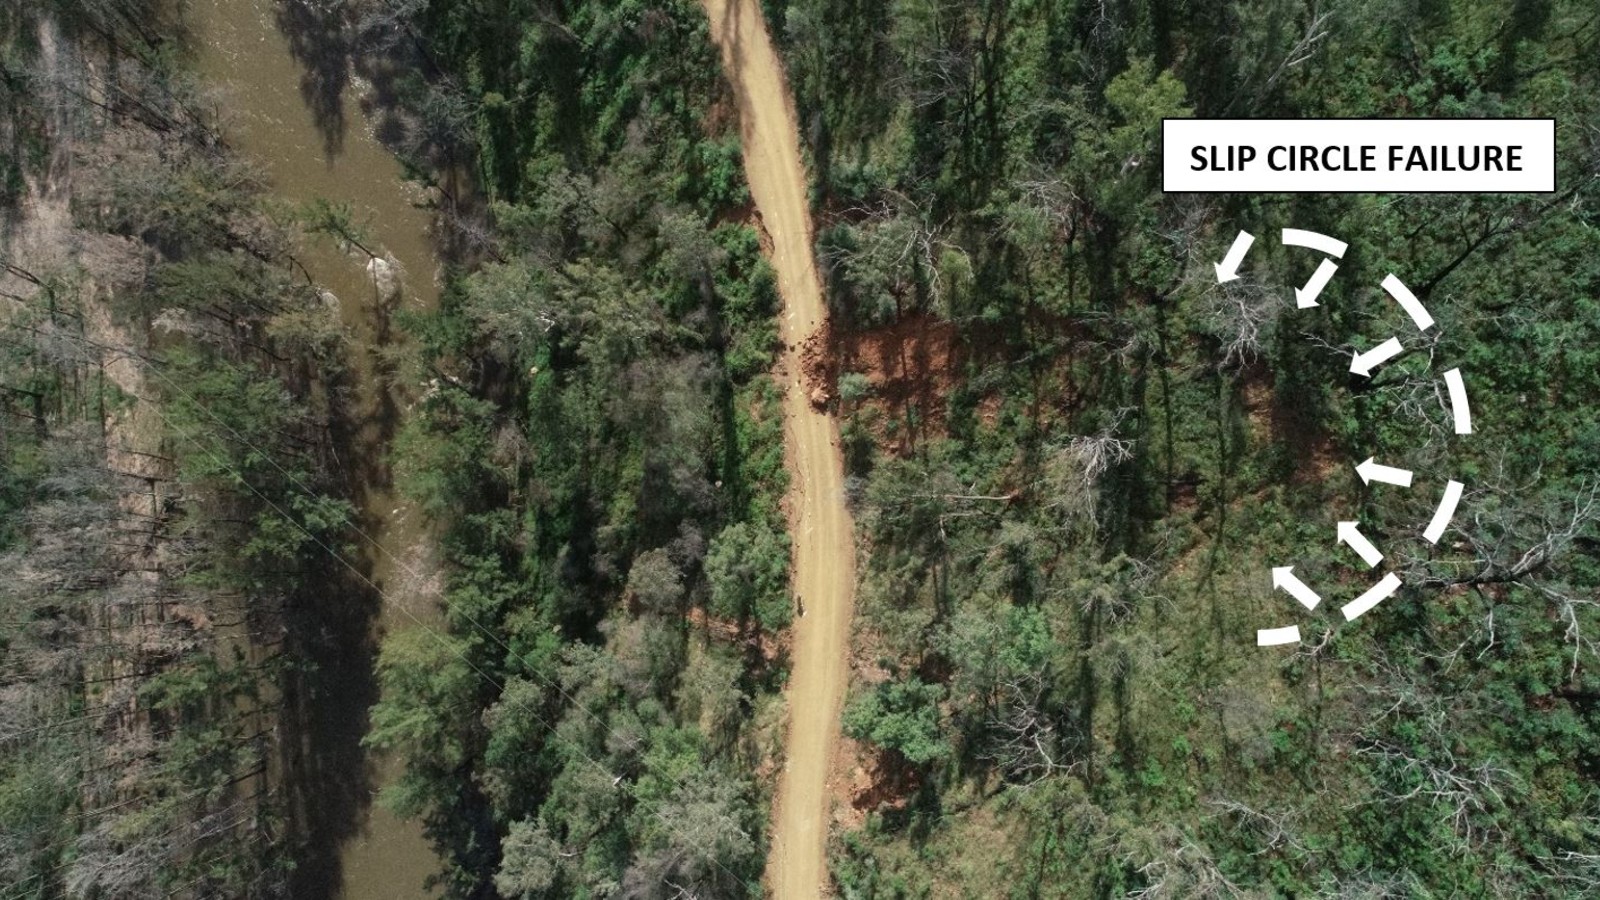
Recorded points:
290,104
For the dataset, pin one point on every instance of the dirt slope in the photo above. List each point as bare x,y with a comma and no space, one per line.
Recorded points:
824,554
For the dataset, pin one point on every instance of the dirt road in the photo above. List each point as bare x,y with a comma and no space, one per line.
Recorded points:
824,548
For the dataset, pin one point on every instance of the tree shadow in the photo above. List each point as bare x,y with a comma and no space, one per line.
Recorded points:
320,41
330,776
326,773
413,109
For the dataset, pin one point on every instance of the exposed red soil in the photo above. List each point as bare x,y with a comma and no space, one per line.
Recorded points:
769,646
912,365
889,786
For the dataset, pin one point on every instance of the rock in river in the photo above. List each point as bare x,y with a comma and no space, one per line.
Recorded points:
385,274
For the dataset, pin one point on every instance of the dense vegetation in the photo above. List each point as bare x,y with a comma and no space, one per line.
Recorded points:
1066,566
164,487
603,453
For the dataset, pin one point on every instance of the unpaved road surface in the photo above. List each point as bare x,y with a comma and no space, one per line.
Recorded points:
824,548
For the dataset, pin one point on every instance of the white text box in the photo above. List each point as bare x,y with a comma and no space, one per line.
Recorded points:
1345,155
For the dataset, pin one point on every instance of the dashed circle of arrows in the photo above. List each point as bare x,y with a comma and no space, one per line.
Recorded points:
1363,364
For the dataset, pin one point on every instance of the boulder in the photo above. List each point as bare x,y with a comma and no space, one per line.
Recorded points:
385,277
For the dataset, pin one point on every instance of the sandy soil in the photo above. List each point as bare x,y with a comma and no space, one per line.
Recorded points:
824,548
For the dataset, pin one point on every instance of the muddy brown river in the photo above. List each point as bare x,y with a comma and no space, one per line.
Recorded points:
291,104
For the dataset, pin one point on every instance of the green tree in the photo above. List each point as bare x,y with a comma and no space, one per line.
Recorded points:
748,568
427,685
531,863
902,716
